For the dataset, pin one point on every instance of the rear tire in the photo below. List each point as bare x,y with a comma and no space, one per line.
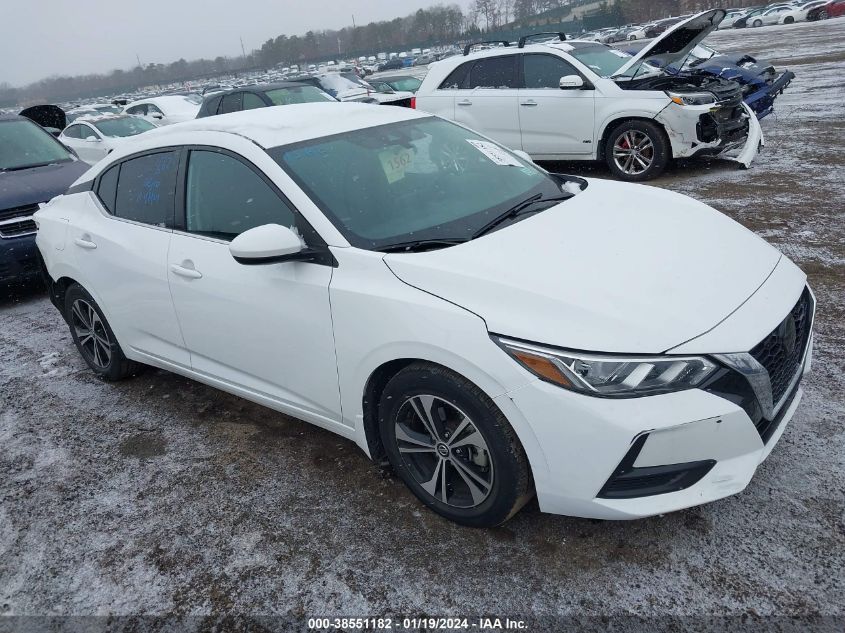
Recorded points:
788,20
757,23
823,15
636,151
94,338
453,447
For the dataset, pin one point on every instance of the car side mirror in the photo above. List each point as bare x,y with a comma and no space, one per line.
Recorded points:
157,115
92,139
268,244
571,82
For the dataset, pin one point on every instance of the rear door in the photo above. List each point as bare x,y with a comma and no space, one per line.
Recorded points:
120,246
266,328
554,121
487,102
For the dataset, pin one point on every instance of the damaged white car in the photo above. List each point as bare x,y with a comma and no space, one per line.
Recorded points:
578,100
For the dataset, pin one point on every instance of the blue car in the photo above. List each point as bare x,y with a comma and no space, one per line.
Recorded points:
761,84
34,167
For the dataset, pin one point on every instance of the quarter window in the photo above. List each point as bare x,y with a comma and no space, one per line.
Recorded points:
224,197
494,72
146,189
545,71
457,78
107,189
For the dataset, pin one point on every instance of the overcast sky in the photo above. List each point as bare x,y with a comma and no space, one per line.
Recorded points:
69,37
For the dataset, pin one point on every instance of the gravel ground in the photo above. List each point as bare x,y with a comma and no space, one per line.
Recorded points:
160,495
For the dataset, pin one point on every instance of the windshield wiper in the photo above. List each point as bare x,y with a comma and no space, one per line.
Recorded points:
416,246
22,167
517,210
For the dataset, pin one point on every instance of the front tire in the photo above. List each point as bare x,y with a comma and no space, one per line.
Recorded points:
788,20
453,447
94,338
757,23
636,151
823,15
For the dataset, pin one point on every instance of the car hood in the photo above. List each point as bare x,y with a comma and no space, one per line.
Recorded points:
677,41
47,116
617,268
38,184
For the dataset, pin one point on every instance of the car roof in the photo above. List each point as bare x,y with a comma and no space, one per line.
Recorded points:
300,122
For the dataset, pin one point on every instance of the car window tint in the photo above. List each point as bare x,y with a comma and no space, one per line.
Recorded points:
151,109
107,189
252,101
457,78
138,109
86,131
147,188
496,72
73,131
545,71
231,103
224,197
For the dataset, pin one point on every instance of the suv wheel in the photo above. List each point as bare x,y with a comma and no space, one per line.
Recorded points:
637,151
453,447
94,337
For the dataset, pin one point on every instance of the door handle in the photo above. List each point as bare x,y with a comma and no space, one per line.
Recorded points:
465,102
187,273
529,103
85,242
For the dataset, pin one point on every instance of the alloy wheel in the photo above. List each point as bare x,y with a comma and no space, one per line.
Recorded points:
444,451
91,334
633,152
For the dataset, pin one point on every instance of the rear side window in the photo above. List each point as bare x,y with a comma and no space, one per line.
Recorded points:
231,103
107,189
224,197
146,189
495,72
457,78
210,107
252,101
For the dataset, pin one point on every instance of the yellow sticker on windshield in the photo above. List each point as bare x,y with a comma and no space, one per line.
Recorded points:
395,161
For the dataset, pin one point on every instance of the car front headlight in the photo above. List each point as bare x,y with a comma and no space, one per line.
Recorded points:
607,375
692,98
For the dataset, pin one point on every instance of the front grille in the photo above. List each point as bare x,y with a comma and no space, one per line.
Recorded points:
18,221
783,349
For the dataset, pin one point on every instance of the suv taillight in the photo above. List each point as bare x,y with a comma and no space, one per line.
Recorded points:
413,103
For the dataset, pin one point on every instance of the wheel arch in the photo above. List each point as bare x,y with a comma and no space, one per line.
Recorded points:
610,125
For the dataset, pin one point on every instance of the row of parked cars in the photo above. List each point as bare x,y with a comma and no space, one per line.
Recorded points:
636,108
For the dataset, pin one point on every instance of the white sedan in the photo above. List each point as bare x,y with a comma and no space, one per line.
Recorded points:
799,12
488,328
770,16
93,138
164,110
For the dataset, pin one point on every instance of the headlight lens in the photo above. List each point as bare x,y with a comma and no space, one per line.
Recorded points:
692,98
610,376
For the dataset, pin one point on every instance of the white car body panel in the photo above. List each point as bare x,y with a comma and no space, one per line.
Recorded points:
175,109
616,268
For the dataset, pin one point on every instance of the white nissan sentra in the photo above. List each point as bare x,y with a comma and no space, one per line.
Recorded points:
489,329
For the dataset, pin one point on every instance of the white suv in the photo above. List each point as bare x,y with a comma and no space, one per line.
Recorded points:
576,100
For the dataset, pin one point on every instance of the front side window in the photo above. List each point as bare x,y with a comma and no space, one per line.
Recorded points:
124,126
23,145
87,132
74,131
495,72
415,180
224,197
137,110
151,109
545,71
146,189
231,103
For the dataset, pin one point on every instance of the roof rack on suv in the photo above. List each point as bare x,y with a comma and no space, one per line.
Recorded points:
468,47
525,38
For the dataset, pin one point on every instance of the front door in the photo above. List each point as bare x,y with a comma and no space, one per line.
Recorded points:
554,121
266,328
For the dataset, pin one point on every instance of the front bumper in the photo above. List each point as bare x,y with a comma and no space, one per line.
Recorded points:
762,101
18,259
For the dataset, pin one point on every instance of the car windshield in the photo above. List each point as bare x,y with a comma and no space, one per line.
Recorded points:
124,126
297,94
24,144
602,60
406,84
424,179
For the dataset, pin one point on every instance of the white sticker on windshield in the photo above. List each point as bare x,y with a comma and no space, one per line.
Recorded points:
495,153
619,53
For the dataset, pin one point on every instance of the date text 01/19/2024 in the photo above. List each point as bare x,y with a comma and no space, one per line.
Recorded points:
417,624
